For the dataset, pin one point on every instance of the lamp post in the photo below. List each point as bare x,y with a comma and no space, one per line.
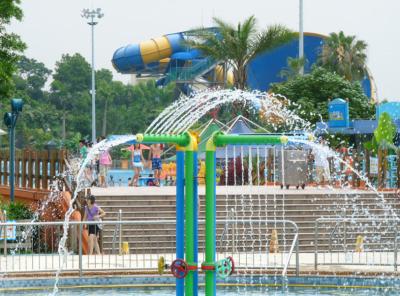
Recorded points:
92,16
301,35
10,120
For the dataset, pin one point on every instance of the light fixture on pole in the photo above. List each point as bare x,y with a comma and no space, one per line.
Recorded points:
301,36
10,120
93,16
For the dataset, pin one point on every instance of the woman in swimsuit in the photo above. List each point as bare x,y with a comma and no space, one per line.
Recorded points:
137,163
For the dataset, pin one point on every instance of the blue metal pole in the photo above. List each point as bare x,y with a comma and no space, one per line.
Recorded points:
195,222
12,159
180,215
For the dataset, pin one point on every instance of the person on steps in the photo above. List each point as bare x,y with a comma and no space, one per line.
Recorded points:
93,213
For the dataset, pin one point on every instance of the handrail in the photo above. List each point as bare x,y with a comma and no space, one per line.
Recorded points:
148,222
352,220
294,243
292,225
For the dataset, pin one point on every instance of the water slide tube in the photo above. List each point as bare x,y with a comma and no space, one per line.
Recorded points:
157,53
135,58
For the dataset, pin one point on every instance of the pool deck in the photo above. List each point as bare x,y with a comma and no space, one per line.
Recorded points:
222,190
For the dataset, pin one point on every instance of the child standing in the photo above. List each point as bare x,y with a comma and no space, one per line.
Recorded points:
156,165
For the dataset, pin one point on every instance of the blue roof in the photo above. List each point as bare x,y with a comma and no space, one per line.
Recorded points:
241,127
357,127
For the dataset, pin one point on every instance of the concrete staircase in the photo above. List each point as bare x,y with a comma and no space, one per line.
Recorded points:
303,209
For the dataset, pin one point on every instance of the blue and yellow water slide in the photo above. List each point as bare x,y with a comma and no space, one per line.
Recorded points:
169,59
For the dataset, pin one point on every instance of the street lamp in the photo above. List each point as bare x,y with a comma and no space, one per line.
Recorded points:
10,120
301,35
92,16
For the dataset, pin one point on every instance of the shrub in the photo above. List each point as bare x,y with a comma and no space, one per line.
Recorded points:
17,211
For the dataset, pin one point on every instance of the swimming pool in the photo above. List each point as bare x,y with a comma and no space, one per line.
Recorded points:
122,177
227,291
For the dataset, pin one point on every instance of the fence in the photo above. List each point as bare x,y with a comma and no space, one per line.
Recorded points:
33,169
356,241
38,251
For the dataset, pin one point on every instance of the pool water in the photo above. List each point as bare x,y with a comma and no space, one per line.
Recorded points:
122,177
226,291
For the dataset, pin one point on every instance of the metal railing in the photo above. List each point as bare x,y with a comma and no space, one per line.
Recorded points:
38,251
356,241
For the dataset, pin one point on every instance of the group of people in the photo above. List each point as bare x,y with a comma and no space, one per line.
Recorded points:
96,170
139,162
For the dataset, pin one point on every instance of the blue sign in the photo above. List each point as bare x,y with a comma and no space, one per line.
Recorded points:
10,231
338,112
393,108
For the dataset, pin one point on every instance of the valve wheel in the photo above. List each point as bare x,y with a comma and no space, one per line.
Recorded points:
230,258
224,267
179,268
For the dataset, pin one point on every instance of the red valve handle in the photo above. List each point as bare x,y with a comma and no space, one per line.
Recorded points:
179,268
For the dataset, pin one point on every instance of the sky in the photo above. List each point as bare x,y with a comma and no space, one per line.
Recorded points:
55,27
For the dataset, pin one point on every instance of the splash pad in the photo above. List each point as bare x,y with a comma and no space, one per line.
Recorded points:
187,145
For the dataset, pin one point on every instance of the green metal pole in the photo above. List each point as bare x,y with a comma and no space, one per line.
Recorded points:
182,140
210,218
189,192
222,139
189,217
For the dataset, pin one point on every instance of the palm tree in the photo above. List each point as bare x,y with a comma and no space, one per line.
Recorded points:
294,65
237,46
344,55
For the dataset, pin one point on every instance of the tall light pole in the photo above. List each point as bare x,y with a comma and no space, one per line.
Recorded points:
301,35
92,16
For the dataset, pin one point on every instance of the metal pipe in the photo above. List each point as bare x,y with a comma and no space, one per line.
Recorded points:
297,256
235,139
180,215
316,246
139,222
93,87
189,239
80,249
301,35
120,231
5,233
181,139
12,159
210,221
195,222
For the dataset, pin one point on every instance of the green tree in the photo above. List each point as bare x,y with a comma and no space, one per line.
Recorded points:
104,95
344,55
384,135
294,65
11,45
70,91
385,131
238,45
312,92
31,77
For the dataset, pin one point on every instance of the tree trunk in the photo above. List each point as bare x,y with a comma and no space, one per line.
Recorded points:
367,165
104,127
225,73
382,167
63,129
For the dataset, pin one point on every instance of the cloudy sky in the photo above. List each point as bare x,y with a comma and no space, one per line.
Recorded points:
54,27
